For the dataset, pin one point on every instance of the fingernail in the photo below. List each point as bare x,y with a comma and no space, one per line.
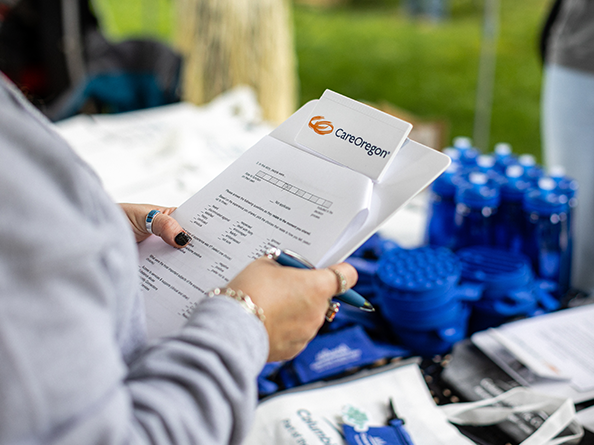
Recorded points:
182,238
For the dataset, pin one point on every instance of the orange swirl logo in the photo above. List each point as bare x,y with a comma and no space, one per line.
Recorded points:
321,126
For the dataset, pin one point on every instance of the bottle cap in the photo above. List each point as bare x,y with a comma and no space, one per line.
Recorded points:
527,160
462,142
485,161
503,149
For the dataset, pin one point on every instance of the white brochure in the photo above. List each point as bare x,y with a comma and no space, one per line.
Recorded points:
551,353
274,195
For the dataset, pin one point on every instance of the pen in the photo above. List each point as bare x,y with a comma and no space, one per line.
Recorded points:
292,259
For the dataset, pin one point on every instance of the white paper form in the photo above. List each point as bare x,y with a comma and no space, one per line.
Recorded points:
554,346
275,195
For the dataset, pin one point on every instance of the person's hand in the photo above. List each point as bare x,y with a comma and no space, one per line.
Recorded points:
163,225
294,301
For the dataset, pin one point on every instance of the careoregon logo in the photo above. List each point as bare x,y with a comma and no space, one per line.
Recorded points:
321,126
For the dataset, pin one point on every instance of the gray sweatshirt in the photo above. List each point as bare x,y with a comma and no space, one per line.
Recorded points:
571,43
74,364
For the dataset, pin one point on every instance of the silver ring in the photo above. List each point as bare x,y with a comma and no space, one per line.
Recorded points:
148,222
342,282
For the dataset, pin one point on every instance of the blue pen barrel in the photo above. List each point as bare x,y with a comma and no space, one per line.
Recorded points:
548,240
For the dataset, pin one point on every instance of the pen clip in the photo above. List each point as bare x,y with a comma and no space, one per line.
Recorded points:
299,258
273,253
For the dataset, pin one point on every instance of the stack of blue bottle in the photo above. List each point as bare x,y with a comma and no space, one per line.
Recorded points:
441,228
510,231
509,289
420,297
477,199
548,237
498,199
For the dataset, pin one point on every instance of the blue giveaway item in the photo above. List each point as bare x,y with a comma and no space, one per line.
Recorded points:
394,434
428,343
366,270
477,200
509,288
565,185
358,433
420,299
417,279
509,226
504,156
569,187
463,152
532,171
441,228
266,384
548,238
468,156
333,353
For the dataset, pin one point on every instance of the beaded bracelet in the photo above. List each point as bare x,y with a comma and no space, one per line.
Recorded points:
243,299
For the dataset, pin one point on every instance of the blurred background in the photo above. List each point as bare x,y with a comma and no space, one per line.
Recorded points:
424,66
451,67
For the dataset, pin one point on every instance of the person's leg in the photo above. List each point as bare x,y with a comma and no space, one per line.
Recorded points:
568,141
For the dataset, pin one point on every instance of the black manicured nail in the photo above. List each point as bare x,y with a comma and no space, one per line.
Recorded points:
182,238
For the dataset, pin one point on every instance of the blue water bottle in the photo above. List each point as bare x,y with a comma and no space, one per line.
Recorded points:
486,163
569,187
566,186
509,232
477,200
468,154
503,156
532,171
547,241
441,227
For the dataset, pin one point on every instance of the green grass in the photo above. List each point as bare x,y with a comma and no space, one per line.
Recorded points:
378,54
370,50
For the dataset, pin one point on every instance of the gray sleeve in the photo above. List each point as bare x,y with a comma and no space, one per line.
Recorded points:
219,389
68,285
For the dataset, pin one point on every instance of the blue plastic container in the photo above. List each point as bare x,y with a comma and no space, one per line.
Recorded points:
509,289
467,153
510,226
441,226
419,298
569,187
548,238
477,200
437,341
532,171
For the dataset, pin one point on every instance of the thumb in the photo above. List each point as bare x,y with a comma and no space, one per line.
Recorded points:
170,230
